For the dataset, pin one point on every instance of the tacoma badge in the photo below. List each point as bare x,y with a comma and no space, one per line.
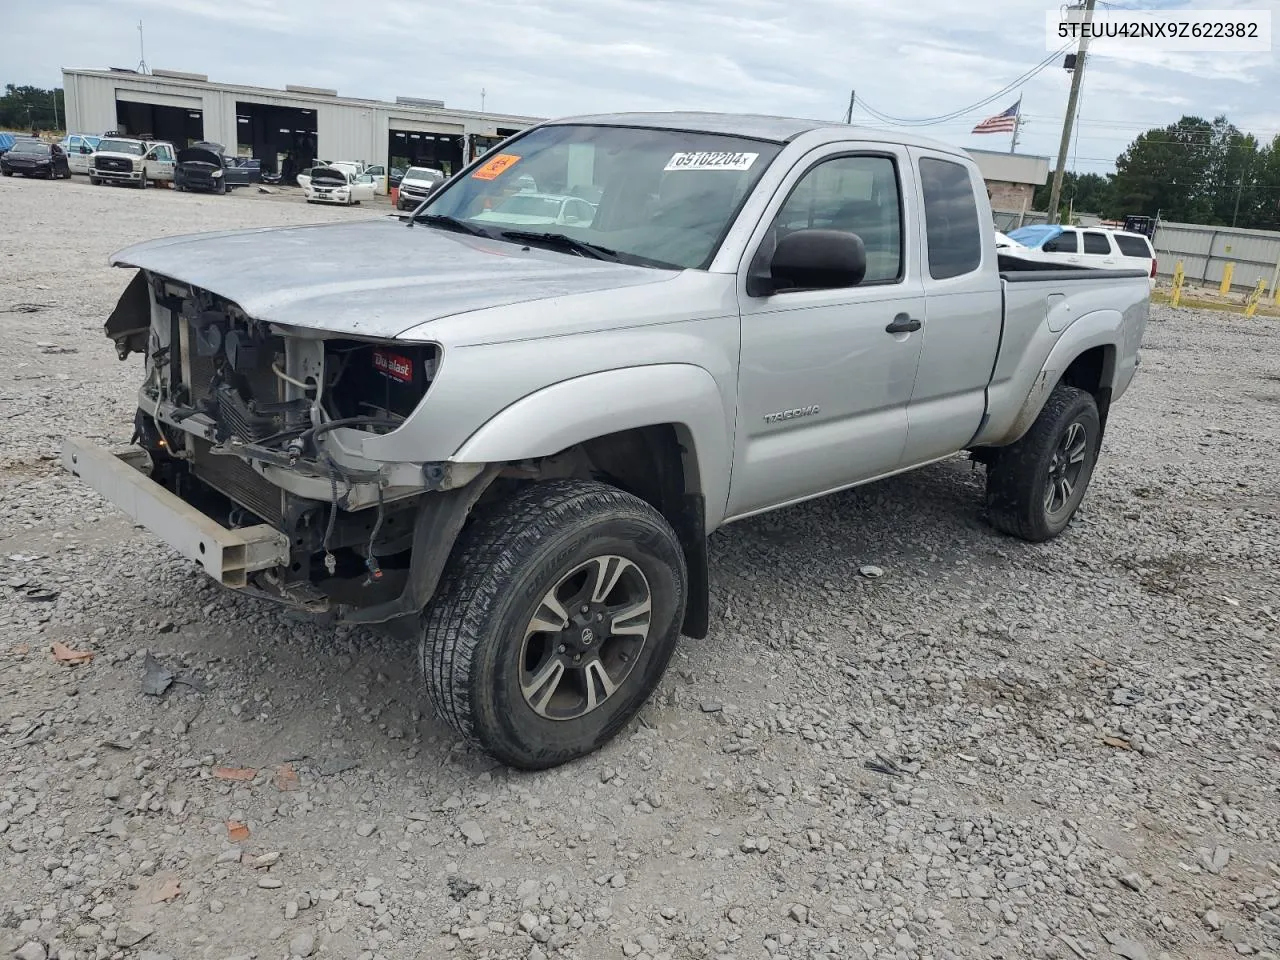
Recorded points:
795,414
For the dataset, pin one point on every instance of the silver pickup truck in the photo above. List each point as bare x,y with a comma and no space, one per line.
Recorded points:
508,436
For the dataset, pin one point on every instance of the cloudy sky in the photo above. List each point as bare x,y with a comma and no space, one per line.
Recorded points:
906,58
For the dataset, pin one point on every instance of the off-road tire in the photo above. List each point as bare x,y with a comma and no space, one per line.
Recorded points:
500,569
1018,478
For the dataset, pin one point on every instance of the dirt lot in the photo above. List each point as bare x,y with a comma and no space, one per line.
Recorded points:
993,750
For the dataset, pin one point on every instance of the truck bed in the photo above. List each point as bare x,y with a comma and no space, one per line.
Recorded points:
1039,306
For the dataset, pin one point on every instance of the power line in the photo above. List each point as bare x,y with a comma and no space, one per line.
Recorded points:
933,121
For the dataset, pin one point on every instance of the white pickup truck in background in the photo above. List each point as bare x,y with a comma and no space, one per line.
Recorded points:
131,161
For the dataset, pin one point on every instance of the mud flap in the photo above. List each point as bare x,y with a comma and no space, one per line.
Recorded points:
130,322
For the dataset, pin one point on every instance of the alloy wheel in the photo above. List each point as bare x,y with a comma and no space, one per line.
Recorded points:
585,637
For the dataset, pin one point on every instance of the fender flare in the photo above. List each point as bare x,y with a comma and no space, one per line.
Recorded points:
1101,328
559,416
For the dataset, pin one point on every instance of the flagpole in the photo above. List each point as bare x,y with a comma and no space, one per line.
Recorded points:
1017,124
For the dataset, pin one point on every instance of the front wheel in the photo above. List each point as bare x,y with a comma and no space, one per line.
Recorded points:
554,621
1035,485
142,184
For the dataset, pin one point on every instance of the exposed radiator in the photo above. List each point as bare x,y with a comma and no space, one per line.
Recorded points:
234,478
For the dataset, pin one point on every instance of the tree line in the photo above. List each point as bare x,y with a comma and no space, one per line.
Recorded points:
1192,171
32,108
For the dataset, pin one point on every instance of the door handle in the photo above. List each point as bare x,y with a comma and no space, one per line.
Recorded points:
903,323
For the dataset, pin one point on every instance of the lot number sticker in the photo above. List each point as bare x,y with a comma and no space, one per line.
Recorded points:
711,160
491,169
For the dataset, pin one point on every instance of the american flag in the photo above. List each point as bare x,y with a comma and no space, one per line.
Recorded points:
1005,122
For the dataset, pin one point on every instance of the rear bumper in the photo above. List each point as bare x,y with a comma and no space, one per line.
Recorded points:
229,556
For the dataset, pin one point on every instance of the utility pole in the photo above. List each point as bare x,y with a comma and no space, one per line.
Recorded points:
848,114
55,110
1239,189
1077,77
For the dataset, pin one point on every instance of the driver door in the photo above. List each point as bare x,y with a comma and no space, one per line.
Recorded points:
363,187
160,162
78,157
823,386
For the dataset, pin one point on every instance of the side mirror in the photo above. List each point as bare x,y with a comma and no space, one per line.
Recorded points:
812,259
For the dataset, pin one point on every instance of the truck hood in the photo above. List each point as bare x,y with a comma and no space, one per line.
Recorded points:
373,278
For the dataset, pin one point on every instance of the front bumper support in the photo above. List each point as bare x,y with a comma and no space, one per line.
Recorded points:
227,555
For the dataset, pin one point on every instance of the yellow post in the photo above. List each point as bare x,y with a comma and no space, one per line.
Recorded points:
1252,306
1227,271
1178,278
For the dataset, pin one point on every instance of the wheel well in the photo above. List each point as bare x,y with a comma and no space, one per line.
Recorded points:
1093,371
658,465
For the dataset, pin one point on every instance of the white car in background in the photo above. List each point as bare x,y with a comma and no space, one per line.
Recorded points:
334,184
1003,242
1097,247
541,208
354,167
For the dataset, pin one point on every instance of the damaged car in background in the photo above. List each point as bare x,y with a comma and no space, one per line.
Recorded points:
204,167
508,439
339,185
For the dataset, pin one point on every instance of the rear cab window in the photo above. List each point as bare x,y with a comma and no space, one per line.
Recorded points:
953,231
1134,246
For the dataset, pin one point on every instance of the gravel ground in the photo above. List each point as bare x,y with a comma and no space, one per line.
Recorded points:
992,750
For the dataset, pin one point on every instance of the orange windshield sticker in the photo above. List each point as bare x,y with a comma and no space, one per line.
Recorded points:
491,169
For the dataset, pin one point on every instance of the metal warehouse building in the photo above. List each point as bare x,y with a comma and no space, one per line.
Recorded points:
304,124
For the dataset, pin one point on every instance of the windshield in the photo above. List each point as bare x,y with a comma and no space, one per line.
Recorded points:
422,173
27,146
658,196
122,146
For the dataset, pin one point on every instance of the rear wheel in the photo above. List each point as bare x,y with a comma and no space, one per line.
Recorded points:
1035,485
554,621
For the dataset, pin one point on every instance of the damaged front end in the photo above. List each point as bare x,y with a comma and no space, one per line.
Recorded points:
261,427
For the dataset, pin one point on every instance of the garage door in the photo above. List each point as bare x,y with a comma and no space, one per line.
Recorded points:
160,99
423,126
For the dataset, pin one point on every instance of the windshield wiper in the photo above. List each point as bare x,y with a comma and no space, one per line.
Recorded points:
449,223
563,241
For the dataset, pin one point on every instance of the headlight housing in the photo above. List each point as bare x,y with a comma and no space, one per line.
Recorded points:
217,173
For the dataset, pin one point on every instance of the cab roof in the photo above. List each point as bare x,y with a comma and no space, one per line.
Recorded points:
753,126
